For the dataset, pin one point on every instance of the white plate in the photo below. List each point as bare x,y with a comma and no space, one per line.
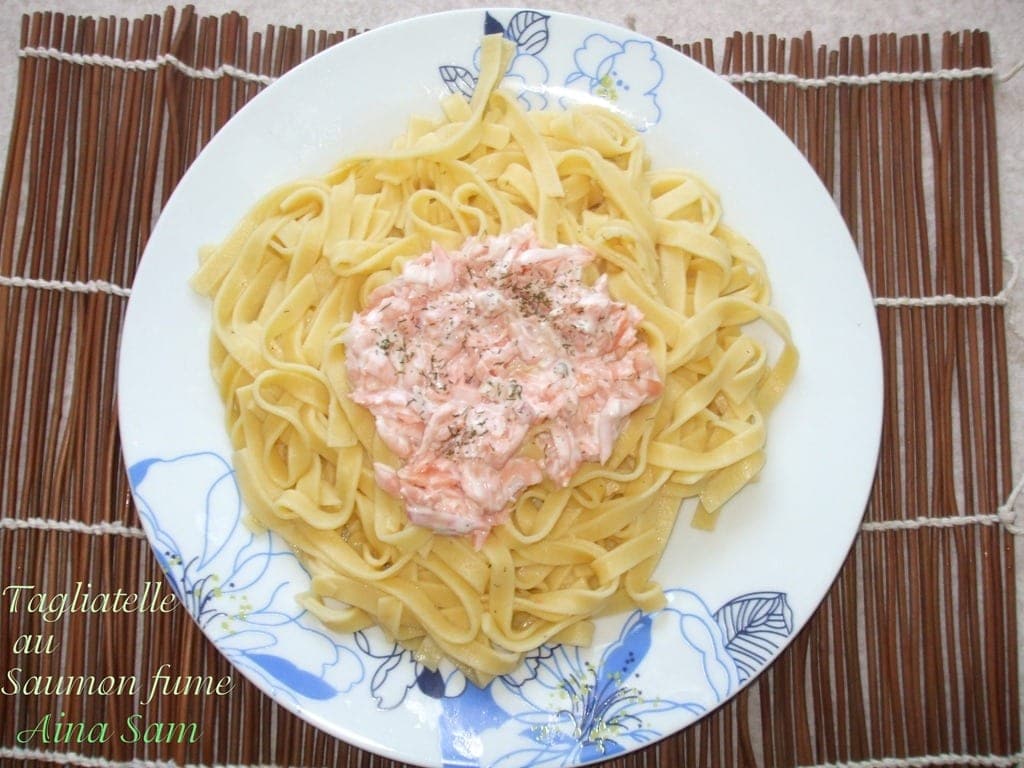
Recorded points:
736,596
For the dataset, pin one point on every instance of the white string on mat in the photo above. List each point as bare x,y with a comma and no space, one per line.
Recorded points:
877,78
932,761
70,286
780,78
1014,71
72,758
146,65
949,300
1004,515
72,526
806,83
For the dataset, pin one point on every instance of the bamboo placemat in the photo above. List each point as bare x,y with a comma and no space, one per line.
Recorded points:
912,658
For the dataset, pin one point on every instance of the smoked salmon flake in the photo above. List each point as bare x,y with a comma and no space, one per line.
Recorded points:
489,368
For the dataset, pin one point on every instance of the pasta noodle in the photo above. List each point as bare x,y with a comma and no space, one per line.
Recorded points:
287,279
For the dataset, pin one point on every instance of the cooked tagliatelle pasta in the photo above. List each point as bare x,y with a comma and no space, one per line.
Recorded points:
289,278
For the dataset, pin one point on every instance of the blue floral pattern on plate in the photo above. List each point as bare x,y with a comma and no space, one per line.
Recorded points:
625,73
562,707
224,586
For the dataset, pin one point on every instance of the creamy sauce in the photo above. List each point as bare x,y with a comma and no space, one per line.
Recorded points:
470,358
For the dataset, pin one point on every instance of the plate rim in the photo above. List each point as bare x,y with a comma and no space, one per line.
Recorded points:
355,737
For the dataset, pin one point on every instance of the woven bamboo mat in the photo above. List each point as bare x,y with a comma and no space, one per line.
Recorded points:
912,655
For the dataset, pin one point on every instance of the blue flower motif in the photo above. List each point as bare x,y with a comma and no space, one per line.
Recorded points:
467,711
626,73
527,73
576,710
238,585
563,705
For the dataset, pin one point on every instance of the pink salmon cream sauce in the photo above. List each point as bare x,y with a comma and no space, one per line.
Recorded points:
469,356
